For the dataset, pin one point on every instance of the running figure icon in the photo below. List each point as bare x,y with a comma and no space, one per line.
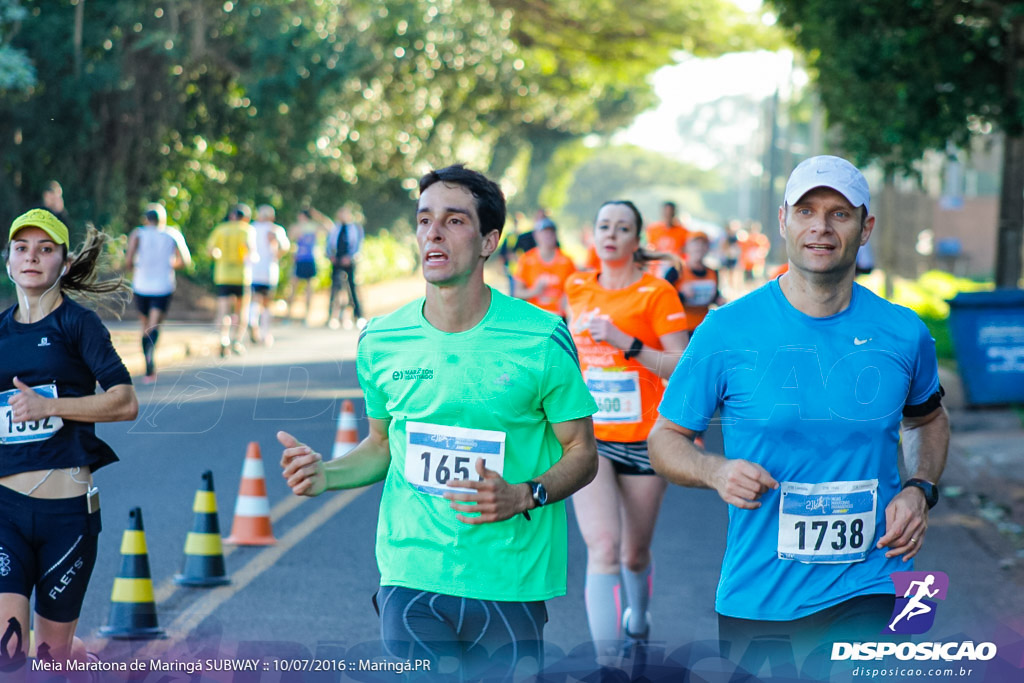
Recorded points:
915,606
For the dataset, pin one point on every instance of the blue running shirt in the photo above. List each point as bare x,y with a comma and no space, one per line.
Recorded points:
305,245
813,401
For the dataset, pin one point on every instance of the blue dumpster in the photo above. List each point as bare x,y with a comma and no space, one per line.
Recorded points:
988,337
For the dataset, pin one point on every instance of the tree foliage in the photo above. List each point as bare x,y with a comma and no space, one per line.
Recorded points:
319,102
627,172
589,65
899,78
16,72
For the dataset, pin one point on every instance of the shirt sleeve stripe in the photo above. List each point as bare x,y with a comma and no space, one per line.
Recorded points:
569,349
517,332
368,330
563,332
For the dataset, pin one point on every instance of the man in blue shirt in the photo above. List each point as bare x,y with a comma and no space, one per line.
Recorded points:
343,244
813,377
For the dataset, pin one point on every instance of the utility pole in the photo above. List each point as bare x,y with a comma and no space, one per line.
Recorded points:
77,38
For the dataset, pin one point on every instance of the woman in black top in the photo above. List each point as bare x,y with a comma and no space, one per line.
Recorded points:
53,351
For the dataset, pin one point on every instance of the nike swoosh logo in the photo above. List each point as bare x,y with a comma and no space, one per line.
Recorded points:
858,342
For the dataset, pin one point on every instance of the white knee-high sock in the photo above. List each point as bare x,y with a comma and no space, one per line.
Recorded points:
638,596
264,322
604,607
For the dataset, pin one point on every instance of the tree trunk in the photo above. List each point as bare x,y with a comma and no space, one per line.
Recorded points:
1009,244
543,145
77,38
886,256
506,147
197,48
769,205
1010,236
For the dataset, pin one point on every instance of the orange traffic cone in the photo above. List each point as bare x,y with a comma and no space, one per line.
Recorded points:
132,607
346,438
204,556
251,525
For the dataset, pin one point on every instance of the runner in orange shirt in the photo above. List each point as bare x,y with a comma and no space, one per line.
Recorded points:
667,235
630,329
540,277
590,261
778,270
698,284
753,252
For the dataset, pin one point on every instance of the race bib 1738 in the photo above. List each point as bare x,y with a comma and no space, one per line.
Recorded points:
828,523
12,432
437,454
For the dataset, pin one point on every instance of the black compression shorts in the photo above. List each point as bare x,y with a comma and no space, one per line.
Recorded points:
48,545
485,639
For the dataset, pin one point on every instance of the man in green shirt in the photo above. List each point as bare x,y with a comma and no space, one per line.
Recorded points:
480,428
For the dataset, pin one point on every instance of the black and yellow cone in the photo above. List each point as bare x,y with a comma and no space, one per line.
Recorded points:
204,556
132,608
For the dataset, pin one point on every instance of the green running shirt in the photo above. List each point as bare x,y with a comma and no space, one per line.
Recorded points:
451,397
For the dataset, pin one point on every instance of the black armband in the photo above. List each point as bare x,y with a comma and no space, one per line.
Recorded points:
922,409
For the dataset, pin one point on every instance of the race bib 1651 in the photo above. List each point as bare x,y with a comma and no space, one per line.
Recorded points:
438,454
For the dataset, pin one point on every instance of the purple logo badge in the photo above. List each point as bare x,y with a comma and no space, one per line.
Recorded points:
916,593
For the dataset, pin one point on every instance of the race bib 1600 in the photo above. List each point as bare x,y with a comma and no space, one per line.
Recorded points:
617,395
437,454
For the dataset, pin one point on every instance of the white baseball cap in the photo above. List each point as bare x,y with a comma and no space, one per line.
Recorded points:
832,172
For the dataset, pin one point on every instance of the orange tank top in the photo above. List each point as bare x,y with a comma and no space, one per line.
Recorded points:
699,292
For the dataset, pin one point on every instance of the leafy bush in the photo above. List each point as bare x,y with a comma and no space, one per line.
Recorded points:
939,329
385,256
927,295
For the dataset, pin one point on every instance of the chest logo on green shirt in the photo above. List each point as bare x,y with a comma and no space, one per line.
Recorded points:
412,373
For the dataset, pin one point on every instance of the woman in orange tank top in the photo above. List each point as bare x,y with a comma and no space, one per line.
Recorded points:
630,329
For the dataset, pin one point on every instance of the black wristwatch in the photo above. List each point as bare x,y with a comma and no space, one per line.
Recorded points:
539,495
930,490
634,349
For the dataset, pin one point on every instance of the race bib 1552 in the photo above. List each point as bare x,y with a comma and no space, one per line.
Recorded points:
12,432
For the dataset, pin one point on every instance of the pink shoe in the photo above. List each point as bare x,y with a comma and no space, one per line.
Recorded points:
149,379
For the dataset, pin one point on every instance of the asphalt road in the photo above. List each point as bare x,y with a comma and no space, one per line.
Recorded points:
310,594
